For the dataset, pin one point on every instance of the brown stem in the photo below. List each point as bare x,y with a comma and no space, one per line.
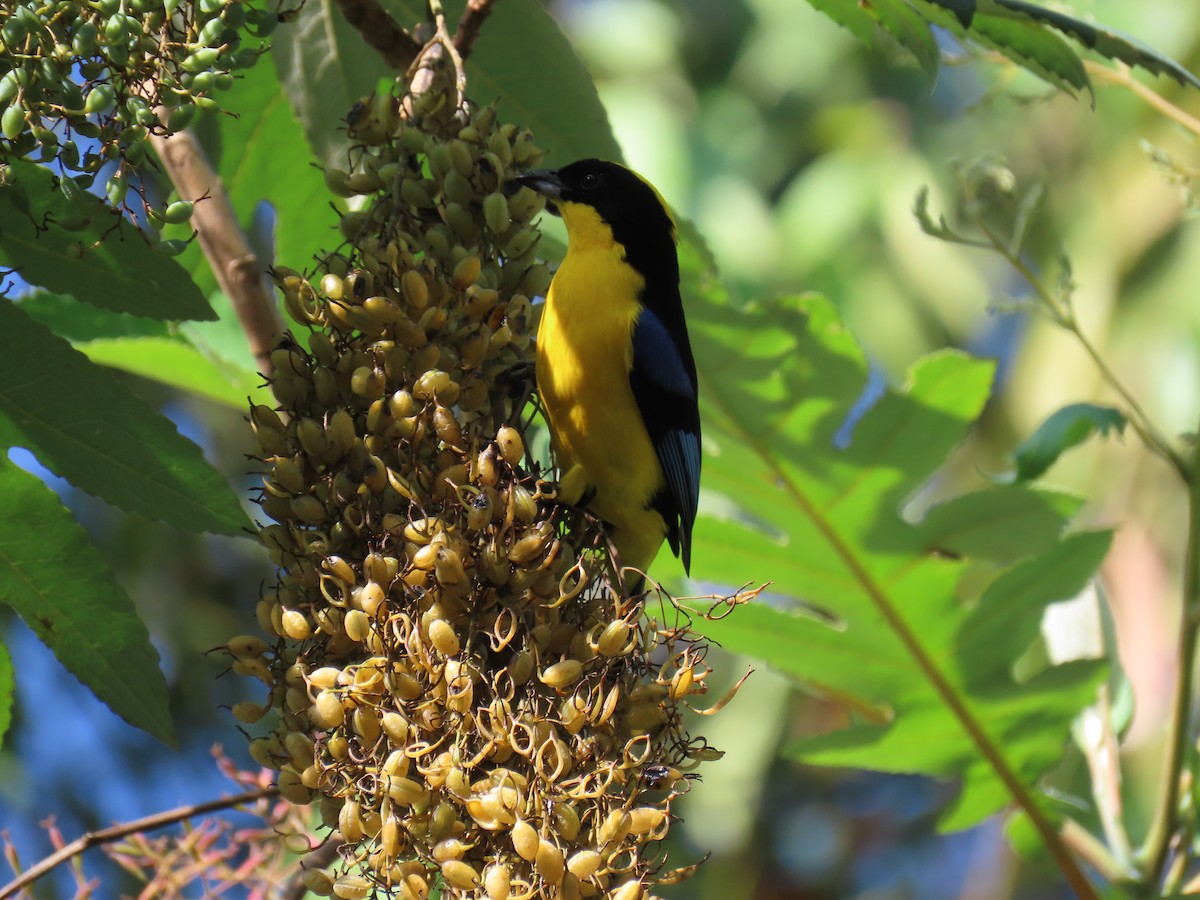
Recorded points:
240,273
469,24
295,889
116,832
381,32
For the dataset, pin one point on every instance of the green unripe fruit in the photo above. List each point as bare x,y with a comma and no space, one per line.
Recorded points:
12,123
9,85
171,247
204,82
117,30
84,40
234,15
101,100
71,96
181,117
118,187
179,212
201,59
213,34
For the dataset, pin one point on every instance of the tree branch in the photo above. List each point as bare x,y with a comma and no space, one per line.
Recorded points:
469,24
239,272
116,832
381,32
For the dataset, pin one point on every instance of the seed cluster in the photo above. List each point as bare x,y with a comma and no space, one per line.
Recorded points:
457,679
83,84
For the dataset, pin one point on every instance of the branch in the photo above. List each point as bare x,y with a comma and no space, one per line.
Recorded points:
469,24
1179,733
116,832
239,272
381,32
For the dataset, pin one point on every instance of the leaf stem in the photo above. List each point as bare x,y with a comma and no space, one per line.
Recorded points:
1064,316
1166,814
116,832
1122,76
928,666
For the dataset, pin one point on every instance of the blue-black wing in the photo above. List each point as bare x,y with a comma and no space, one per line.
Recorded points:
663,379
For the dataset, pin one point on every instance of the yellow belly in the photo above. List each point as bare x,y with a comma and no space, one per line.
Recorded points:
583,359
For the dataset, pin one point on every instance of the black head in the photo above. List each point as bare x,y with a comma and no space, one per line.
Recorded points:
622,198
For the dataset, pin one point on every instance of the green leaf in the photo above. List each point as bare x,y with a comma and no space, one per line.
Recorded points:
904,24
176,363
325,67
7,686
1064,429
58,583
564,110
1035,48
1001,525
123,274
193,357
799,493
76,321
1108,42
85,426
852,16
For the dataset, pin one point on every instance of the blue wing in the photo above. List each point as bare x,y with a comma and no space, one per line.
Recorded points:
663,378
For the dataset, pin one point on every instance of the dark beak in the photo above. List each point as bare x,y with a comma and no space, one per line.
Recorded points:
545,181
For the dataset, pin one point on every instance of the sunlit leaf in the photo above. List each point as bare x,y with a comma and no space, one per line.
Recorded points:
813,505
86,427
1064,429
122,274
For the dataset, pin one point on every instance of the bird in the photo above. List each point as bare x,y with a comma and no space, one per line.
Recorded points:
614,367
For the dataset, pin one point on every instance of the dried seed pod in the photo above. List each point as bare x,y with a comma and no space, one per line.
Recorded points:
427,577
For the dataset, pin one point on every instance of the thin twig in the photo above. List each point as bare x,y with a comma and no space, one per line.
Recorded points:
1104,763
116,832
1092,851
239,272
295,889
1064,316
1179,734
469,24
443,37
381,32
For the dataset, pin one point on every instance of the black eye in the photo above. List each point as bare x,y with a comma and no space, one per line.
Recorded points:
590,181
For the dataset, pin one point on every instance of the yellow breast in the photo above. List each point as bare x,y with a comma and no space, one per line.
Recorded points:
584,353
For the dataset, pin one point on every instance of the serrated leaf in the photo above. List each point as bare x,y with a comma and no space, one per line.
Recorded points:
1064,429
325,67
7,686
1108,42
912,32
177,363
123,274
820,519
962,10
76,321
852,16
1035,48
88,428
53,577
